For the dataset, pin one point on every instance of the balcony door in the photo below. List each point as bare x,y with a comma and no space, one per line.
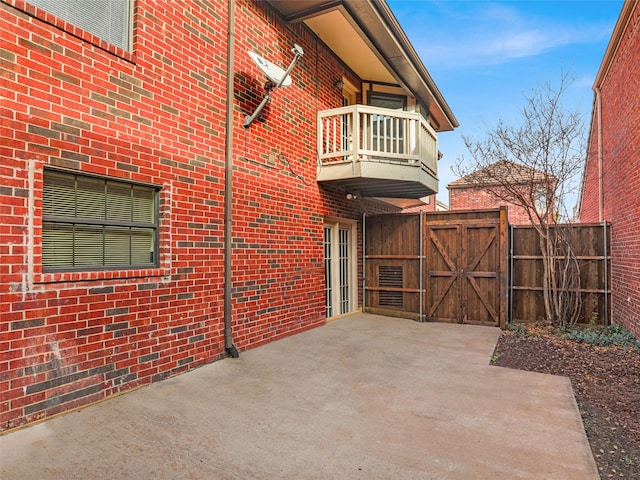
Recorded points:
340,267
348,98
387,131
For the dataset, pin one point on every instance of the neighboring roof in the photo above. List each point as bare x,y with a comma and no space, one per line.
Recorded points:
441,206
505,170
367,36
616,37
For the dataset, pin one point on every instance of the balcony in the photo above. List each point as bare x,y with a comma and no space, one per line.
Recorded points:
377,152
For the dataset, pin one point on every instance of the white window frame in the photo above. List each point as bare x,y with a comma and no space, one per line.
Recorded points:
67,10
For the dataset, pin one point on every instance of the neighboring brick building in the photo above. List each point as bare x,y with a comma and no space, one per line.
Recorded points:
611,180
113,173
481,189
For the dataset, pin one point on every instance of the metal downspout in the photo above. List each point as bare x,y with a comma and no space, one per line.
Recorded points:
601,207
228,186
600,168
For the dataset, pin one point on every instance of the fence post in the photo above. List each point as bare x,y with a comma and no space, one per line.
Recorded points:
421,272
605,255
503,248
364,259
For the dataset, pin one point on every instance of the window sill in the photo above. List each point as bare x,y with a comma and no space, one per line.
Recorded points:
62,277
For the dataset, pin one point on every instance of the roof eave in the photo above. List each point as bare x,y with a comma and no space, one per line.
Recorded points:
405,60
621,25
376,20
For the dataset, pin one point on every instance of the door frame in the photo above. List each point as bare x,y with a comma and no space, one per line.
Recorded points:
335,224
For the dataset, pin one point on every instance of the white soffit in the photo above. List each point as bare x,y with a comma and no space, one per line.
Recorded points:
336,31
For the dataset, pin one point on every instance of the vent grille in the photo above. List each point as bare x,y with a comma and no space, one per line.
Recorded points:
390,276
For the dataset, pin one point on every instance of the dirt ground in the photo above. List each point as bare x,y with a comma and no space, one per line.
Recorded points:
606,383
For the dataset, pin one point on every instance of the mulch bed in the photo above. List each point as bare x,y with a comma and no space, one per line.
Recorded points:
606,383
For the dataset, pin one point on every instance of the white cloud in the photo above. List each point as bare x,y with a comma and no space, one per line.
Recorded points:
484,33
584,81
521,44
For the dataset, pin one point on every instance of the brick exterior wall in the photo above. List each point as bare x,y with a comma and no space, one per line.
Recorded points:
475,198
621,173
157,115
589,206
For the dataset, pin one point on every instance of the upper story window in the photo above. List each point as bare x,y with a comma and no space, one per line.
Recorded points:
388,130
110,20
94,223
387,100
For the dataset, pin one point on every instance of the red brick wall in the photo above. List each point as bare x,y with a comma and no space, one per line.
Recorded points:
472,198
621,174
157,115
589,207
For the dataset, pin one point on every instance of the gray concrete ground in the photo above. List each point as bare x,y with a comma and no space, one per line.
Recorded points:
364,397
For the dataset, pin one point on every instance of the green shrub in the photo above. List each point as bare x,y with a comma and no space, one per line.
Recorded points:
604,337
520,331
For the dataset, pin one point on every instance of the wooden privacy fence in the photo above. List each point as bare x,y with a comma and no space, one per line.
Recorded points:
438,266
590,243
393,265
471,267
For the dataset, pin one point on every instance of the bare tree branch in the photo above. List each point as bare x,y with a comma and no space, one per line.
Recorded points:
537,166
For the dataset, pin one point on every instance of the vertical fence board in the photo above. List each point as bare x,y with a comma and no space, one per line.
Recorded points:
392,252
393,256
527,273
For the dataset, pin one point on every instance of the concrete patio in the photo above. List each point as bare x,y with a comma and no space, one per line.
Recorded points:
364,397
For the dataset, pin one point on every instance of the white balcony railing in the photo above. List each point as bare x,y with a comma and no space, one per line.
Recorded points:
360,133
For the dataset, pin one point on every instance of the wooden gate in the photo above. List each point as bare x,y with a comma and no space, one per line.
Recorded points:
466,261
461,276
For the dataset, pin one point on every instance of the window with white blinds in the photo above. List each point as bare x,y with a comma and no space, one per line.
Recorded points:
92,223
110,20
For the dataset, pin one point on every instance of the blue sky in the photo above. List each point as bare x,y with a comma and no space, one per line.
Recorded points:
485,55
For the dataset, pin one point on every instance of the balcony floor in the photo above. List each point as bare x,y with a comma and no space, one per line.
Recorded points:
376,179
375,187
